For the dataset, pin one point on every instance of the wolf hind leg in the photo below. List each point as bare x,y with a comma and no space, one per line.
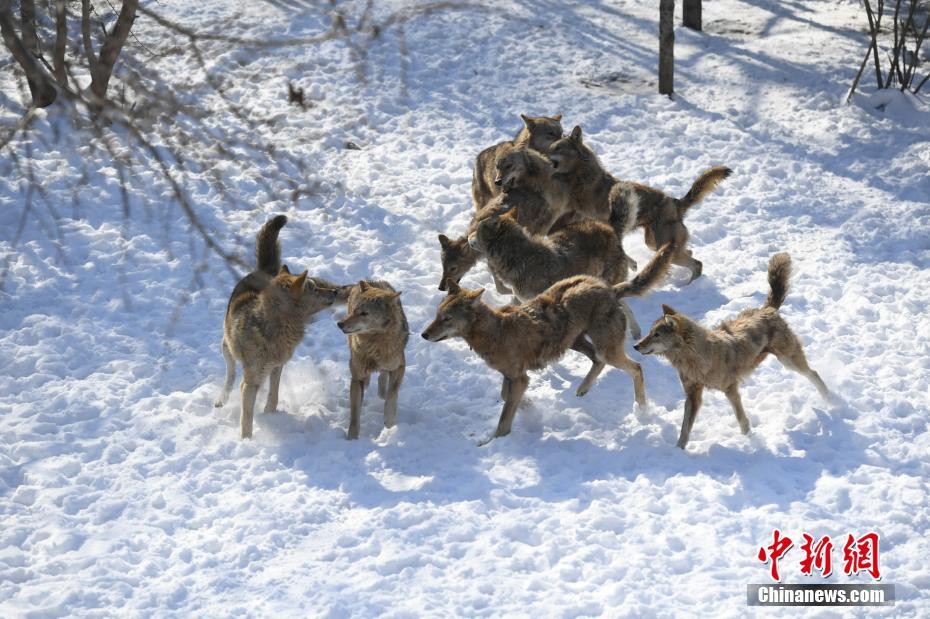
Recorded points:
274,383
230,376
684,259
248,390
792,357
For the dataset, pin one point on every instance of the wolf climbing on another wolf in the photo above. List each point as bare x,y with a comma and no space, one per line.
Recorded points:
538,132
529,264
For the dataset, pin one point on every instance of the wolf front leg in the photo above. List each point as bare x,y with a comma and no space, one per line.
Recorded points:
230,376
514,397
356,396
692,404
395,378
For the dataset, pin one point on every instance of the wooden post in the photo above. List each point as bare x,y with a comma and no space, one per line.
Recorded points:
666,47
691,14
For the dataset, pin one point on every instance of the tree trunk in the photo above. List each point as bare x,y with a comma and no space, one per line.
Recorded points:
691,14
100,77
61,42
40,83
666,47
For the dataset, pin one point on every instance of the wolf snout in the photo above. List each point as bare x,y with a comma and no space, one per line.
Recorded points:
498,181
424,335
442,287
473,240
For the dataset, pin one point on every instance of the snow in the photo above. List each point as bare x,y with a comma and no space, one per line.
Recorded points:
124,492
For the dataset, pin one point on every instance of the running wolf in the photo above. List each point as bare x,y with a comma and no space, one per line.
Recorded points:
538,132
377,330
516,339
595,193
721,358
265,321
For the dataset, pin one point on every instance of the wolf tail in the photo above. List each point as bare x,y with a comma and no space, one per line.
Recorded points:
267,248
654,271
779,272
705,183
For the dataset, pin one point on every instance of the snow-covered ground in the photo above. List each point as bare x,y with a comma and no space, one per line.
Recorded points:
123,492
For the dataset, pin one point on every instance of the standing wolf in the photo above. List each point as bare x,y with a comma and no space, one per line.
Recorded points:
538,132
378,332
595,193
515,339
721,358
265,321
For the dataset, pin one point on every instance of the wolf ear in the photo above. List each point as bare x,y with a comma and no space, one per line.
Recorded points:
476,296
363,285
576,134
526,120
297,284
557,117
444,240
284,269
396,295
667,310
452,286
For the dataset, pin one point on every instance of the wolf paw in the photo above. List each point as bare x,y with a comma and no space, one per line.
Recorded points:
218,403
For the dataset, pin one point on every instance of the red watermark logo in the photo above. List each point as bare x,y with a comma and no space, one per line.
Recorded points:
859,555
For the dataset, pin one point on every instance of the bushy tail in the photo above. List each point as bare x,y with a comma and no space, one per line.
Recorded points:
654,271
267,248
705,183
779,272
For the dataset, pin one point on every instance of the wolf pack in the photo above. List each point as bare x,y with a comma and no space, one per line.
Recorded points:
549,222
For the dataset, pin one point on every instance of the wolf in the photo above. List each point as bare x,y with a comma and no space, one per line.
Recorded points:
378,332
264,322
723,357
538,132
515,339
525,204
595,193
529,264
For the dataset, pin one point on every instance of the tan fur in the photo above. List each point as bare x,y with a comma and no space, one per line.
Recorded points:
516,339
378,332
261,331
723,357
593,192
538,132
